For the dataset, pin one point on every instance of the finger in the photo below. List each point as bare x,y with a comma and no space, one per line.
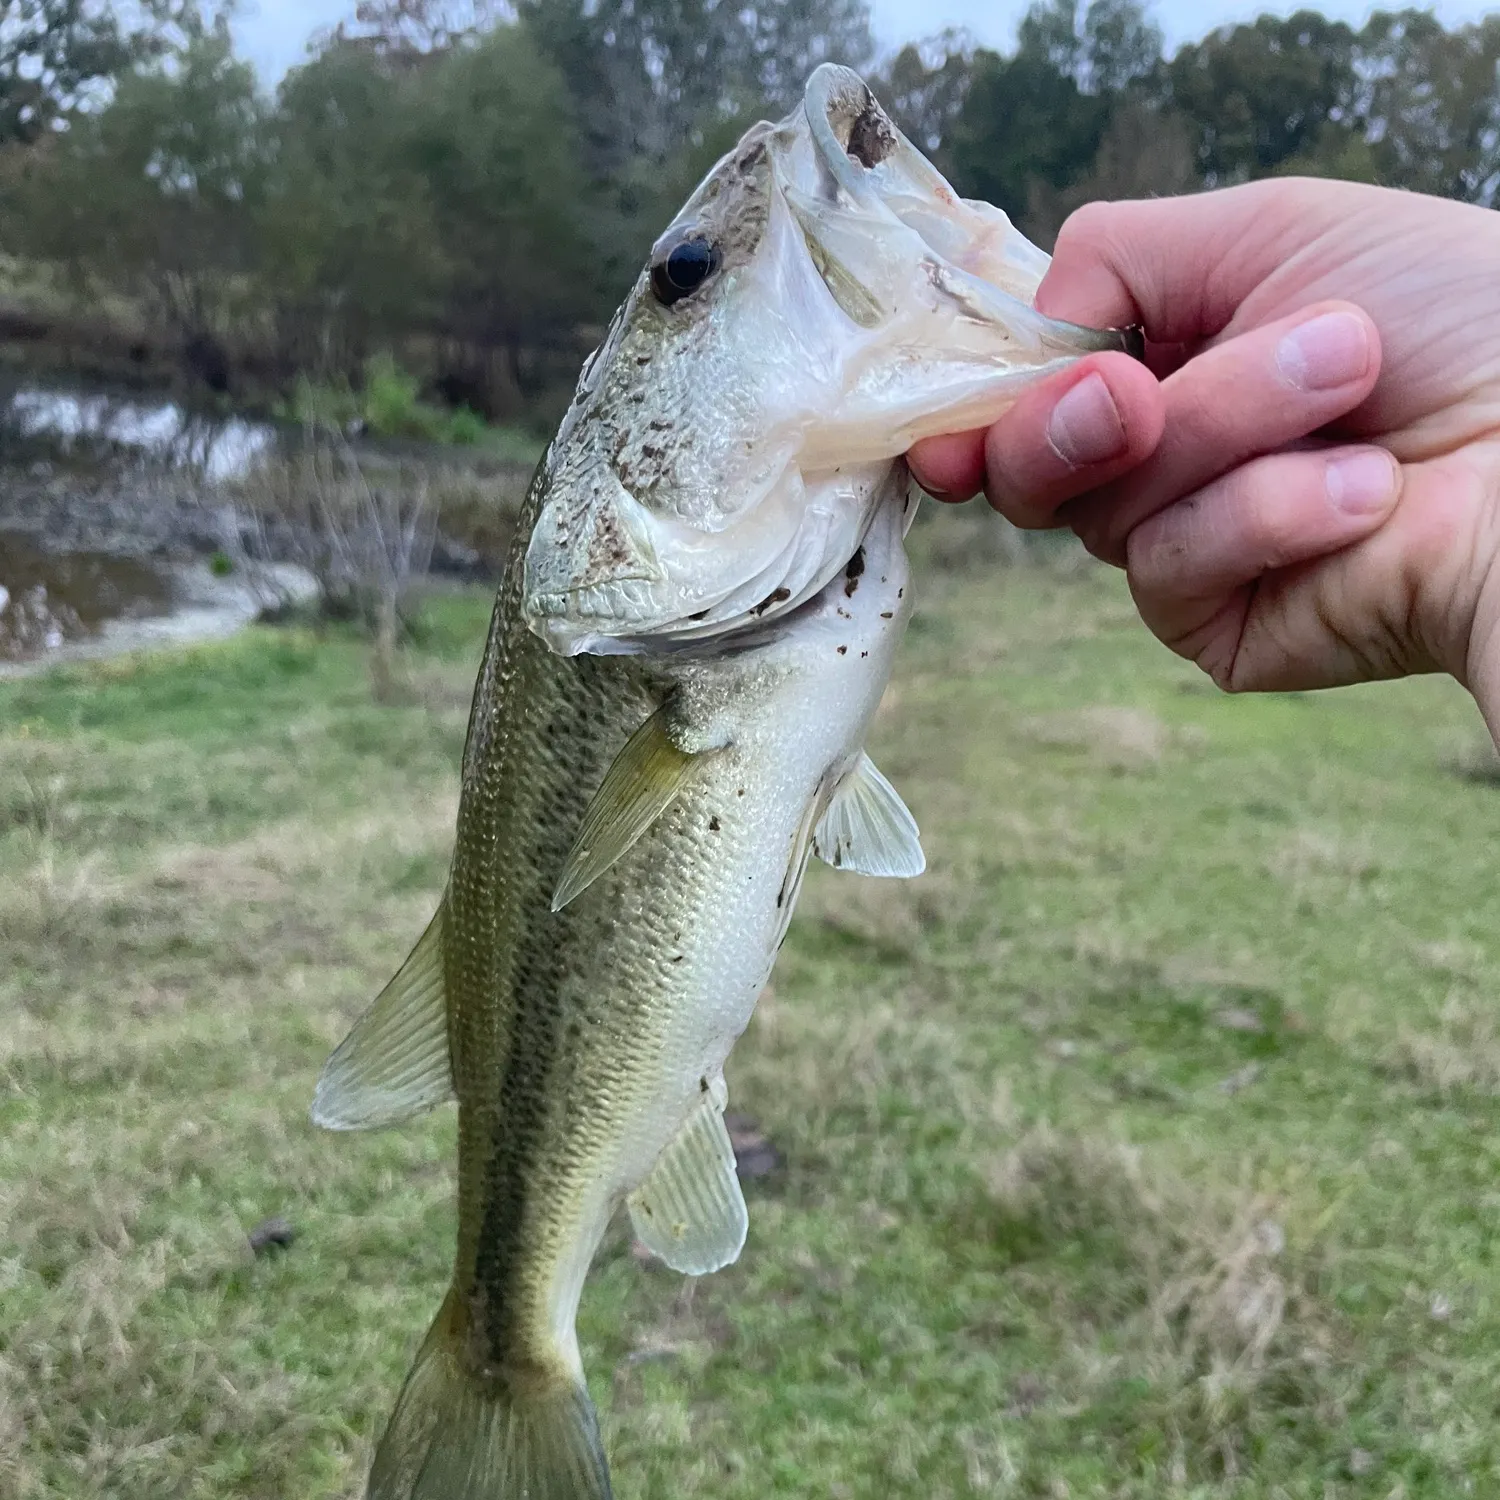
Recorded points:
950,467
1403,600
1071,435
1250,395
1194,567
1067,434
1184,266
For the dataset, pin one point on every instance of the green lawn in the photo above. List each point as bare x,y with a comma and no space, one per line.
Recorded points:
1148,1146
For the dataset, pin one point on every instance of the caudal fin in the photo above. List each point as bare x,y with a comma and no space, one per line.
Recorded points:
455,1436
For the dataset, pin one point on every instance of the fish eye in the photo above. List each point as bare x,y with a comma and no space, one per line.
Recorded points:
686,267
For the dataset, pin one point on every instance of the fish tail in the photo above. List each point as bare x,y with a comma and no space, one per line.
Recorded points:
456,1435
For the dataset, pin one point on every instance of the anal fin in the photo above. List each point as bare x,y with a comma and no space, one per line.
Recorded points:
395,1061
690,1211
867,827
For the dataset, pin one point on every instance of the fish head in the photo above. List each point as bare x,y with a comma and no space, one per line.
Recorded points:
822,300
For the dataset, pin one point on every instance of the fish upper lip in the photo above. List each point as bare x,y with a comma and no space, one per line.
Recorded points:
857,145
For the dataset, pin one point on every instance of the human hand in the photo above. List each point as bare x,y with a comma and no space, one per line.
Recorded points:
1311,495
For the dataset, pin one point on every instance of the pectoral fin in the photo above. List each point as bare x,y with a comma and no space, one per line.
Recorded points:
646,778
867,827
395,1063
690,1210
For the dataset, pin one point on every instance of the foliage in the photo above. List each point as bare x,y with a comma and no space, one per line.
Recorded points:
1259,95
152,195
388,403
345,241
492,139
924,88
1144,1148
1088,106
652,82
60,57
1433,104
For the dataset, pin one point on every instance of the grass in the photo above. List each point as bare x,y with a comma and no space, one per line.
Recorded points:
1146,1147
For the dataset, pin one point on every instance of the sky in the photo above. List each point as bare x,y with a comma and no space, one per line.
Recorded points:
274,33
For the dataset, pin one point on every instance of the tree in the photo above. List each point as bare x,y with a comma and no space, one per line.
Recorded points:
924,88
350,256
1144,152
493,141
1023,121
55,56
1430,103
1261,95
654,85
1032,125
417,28
1120,47
155,195
60,58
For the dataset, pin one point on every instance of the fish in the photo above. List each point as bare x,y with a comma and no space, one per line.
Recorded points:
691,637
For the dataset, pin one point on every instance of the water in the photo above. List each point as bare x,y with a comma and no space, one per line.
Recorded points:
219,448
63,595
49,599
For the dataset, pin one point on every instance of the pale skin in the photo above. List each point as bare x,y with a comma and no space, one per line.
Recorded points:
1309,494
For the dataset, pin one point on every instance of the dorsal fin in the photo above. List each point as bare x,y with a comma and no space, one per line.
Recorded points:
690,1211
394,1064
645,779
867,827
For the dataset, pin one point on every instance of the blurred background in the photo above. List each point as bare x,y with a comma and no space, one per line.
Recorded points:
1145,1147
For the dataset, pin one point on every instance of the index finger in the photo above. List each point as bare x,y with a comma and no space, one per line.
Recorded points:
1183,267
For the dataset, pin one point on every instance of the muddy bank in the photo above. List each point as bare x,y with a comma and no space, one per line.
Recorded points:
127,519
196,604
128,512
98,558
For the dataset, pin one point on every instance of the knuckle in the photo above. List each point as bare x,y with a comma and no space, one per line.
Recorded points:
1263,524
1158,554
1084,227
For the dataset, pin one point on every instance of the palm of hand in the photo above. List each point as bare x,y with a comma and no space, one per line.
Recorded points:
1413,264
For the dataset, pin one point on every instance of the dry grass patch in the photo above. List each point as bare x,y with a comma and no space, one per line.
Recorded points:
1208,1303
1476,760
1310,856
1114,737
1461,1054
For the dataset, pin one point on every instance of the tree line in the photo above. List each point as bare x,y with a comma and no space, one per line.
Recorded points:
470,187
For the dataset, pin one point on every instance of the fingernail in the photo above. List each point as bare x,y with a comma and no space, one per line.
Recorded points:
1362,483
1325,352
1085,428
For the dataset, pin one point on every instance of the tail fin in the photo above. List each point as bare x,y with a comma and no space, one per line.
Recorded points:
457,1436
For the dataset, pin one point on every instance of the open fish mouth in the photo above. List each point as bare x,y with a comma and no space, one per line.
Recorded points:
903,254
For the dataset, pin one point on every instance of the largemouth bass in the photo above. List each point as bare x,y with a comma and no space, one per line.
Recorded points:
692,636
